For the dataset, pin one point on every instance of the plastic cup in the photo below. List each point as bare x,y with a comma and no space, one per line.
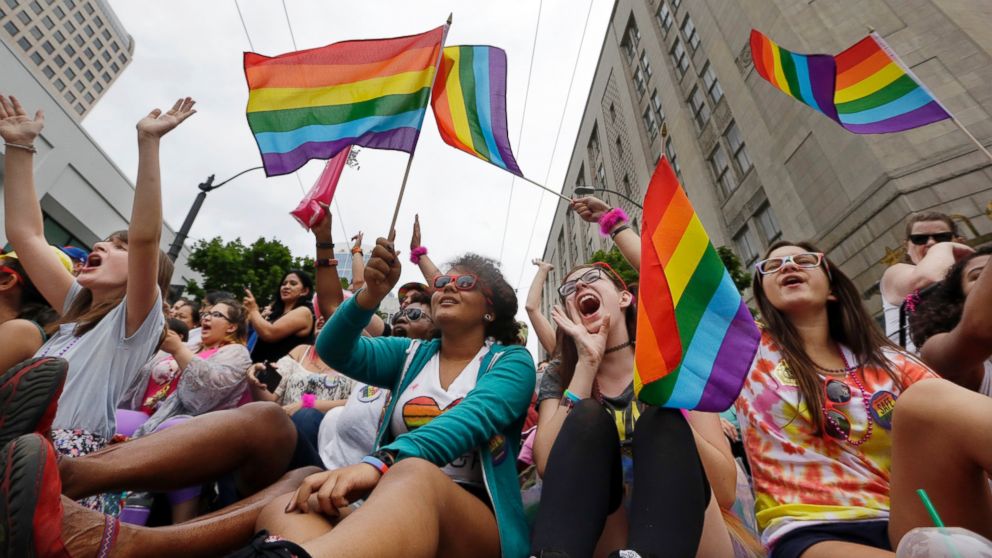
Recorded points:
943,542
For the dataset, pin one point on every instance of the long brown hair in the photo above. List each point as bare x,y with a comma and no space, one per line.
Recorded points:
568,355
850,325
87,315
238,317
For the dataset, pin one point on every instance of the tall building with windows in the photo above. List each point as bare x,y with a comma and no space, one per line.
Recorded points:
76,48
675,77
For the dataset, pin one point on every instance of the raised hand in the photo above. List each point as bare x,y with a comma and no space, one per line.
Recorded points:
590,208
172,342
542,265
358,240
322,228
157,124
382,271
249,302
591,345
15,125
415,237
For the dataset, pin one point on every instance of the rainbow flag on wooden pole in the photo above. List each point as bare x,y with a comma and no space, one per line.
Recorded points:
696,338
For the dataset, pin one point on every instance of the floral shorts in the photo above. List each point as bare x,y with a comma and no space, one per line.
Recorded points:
76,443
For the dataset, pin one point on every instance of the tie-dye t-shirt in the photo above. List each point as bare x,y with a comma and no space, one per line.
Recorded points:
801,478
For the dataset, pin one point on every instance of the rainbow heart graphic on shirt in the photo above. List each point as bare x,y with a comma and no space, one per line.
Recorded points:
423,409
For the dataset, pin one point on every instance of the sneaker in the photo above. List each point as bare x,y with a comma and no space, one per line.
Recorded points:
29,397
30,499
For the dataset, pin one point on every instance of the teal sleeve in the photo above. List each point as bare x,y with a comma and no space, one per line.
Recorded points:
500,398
377,361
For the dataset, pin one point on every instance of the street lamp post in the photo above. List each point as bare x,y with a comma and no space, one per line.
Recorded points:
586,191
205,187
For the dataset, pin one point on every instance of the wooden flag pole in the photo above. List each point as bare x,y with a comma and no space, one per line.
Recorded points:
885,45
409,162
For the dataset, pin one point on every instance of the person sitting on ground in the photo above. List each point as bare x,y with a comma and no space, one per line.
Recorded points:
816,410
426,481
932,246
414,320
291,322
542,326
211,298
111,315
25,315
952,325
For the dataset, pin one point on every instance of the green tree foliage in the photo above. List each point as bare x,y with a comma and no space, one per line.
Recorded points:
233,266
737,271
615,260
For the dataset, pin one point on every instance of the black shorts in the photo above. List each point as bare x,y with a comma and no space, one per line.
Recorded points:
868,533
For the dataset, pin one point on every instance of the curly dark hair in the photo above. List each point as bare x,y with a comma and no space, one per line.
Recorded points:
940,306
504,300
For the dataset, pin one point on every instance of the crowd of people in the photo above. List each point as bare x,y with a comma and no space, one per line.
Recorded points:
314,427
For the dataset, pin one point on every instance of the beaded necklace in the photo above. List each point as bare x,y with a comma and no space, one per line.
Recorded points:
852,371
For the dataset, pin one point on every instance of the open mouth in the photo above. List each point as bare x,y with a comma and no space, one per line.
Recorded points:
447,301
588,304
94,260
792,280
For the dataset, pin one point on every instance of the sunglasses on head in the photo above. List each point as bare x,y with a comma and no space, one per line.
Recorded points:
806,260
922,239
412,314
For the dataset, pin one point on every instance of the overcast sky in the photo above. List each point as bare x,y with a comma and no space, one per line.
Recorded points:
195,48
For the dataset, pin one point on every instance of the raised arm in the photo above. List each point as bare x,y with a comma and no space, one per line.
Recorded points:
542,326
295,322
959,355
357,263
427,267
330,294
22,212
592,209
901,279
144,233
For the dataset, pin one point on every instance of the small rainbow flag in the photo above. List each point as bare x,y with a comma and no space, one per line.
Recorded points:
311,104
470,104
865,89
696,338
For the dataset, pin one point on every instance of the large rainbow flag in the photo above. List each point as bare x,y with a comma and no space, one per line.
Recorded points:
865,89
311,104
469,103
696,338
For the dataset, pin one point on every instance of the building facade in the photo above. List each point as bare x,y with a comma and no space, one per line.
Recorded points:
84,196
75,48
676,77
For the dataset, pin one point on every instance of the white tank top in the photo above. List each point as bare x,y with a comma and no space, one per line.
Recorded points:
986,387
891,314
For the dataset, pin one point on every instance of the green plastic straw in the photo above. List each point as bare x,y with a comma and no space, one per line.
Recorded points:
930,509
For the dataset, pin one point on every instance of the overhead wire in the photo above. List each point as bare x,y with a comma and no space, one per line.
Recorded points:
520,129
554,149
243,25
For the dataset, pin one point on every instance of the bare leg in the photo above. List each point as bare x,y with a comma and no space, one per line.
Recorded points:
415,511
941,443
211,535
833,549
297,526
256,440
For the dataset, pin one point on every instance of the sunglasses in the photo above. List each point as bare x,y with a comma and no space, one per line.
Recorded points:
922,239
12,271
806,260
836,393
463,282
412,314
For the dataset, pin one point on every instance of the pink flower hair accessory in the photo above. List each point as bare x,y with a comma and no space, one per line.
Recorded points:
611,219
416,254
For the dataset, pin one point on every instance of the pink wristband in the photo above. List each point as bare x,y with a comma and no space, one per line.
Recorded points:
611,219
416,253
307,400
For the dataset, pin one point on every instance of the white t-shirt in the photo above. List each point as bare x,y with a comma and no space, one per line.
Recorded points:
986,387
347,433
424,400
891,313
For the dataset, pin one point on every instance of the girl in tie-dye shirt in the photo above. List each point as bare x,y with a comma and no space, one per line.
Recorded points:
816,410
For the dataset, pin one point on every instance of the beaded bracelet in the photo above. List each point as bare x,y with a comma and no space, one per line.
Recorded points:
611,219
416,254
375,462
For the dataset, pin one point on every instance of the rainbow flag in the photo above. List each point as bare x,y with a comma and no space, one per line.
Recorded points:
696,338
311,104
865,89
469,104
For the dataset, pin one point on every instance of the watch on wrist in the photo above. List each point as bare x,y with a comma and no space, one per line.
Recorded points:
386,456
329,245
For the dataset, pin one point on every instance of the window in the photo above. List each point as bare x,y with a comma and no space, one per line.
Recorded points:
580,180
613,112
80,17
619,147
639,81
12,3
47,45
70,27
679,58
689,30
98,21
47,21
736,143
122,58
106,56
70,73
24,17
664,16
115,67
88,8
35,7
24,43
59,84
88,30
747,248
600,175
88,75
676,3
98,43
48,71
656,105
71,4
713,88
70,96
59,37
724,175
79,86
768,223
594,143
700,110
79,63
650,123
98,65
36,58
89,98
80,41
80,109
36,33
59,12
106,34
70,50
646,64
98,87
106,77
626,185
631,37
88,52
59,61
11,28
673,158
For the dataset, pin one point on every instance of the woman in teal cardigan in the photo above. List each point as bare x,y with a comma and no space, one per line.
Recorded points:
447,485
